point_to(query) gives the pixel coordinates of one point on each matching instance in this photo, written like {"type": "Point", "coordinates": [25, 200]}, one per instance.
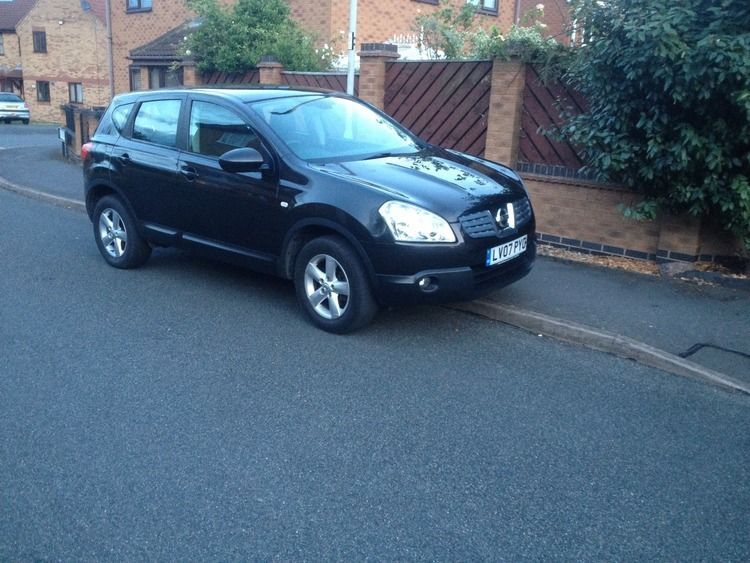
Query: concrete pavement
{"type": "Point", "coordinates": [701, 331]}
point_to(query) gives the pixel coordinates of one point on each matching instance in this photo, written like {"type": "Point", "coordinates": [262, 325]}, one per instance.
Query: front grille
{"type": "Point", "coordinates": [482, 224]}
{"type": "Point", "coordinates": [478, 225]}
{"type": "Point", "coordinates": [522, 207]}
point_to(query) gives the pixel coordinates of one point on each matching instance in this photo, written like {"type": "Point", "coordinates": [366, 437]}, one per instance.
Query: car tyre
{"type": "Point", "coordinates": [25, 121]}
{"type": "Point", "coordinates": [116, 235]}
{"type": "Point", "coordinates": [332, 285]}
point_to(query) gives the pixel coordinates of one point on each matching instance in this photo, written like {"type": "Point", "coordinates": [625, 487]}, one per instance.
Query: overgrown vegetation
{"type": "Point", "coordinates": [452, 33]}
{"type": "Point", "coordinates": [668, 89]}
{"type": "Point", "coordinates": [234, 38]}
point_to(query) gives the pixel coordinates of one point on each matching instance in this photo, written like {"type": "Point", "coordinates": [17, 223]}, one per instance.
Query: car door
{"type": "Point", "coordinates": [145, 161]}
{"type": "Point", "coordinates": [237, 210]}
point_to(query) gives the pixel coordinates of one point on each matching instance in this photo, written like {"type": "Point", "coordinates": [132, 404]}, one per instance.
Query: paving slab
{"type": "Point", "coordinates": [668, 314]}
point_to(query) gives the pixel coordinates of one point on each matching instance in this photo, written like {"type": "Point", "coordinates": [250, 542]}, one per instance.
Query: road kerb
{"type": "Point", "coordinates": [43, 196]}
{"type": "Point", "coordinates": [601, 340]}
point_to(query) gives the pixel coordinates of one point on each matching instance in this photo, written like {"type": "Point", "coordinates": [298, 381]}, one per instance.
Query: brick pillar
{"type": "Point", "coordinates": [679, 238]}
{"type": "Point", "coordinates": [270, 70]}
{"type": "Point", "coordinates": [372, 59]}
{"type": "Point", "coordinates": [190, 75]}
{"type": "Point", "coordinates": [506, 107]}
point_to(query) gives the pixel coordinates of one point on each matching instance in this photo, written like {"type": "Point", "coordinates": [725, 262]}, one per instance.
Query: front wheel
{"type": "Point", "coordinates": [332, 286]}
{"type": "Point", "coordinates": [116, 235]}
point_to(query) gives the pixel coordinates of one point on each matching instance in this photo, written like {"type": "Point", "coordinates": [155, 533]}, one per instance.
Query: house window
{"type": "Point", "coordinates": [2, 47]}
{"type": "Point", "coordinates": [485, 6]}
{"type": "Point", "coordinates": [137, 5]}
{"type": "Point", "coordinates": [135, 80]}
{"type": "Point", "coordinates": [164, 77]}
{"type": "Point", "coordinates": [75, 92]}
{"type": "Point", "coordinates": [42, 91]}
{"type": "Point", "coordinates": [40, 41]}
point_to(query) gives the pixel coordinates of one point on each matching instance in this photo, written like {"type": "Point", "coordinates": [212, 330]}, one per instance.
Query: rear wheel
{"type": "Point", "coordinates": [332, 286]}
{"type": "Point", "coordinates": [116, 235]}
{"type": "Point", "coordinates": [25, 121]}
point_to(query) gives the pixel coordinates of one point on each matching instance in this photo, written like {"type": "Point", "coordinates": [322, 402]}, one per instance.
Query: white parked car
{"type": "Point", "coordinates": [12, 108]}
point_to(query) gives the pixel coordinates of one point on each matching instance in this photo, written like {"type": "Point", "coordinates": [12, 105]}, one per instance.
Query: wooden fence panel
{"type": "Point", "coordinates": [328, 80]}
{"type": "Point", "coordinates": [444, 102]}
{"type": "Point", "coordinates": [539, 153]}
{"type": "Point", "coordinates": [237, 78]}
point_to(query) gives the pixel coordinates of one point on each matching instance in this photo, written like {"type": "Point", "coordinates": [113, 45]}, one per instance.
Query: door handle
{"type": "Point", "coordinates": [189, 173]}
{"type": "Point", "coordinates": [124, 158]}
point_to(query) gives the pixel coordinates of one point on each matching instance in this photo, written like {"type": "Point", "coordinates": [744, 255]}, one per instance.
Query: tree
{"type": "Point", "coordinates": [234, 38]}
{"type": "Point", "coordinates": [668, 88]}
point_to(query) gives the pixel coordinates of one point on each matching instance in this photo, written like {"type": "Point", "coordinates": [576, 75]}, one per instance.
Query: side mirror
{"type": "Point", "coordinates": [241, 160]}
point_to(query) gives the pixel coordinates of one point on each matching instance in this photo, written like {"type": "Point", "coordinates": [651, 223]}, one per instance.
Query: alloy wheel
{"type": "Point", "coordinates": [112, 231]}
{"type": "Point", "coordinates": [327, 286]}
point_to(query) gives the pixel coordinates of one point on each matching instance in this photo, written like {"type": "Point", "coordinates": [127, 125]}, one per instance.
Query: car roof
{"type": "Point", "coordinates": [242, 93]}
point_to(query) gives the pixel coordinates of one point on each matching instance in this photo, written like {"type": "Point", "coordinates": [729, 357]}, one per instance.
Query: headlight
{"type": "Point", "coordinates": [409, 223]}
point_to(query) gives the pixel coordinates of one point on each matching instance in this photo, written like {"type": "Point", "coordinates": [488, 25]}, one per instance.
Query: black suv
{"type": "Point", "coordinates": [310, 185]}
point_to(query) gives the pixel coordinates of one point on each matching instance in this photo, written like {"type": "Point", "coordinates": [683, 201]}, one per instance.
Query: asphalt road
{"type": "Point", "coordinates": [30, 156]}
{"type": "Point", "coordinates": [186, 411]}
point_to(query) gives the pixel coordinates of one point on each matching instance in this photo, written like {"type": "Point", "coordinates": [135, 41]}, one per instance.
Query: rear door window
{"type": "Point", "coordinates": [156, 122]}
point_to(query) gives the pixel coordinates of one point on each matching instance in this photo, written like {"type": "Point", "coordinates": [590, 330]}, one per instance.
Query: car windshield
{"type": "Point", "coordinates": [325, 127]}
{"type": "Point", "coordinates": [9, 98]}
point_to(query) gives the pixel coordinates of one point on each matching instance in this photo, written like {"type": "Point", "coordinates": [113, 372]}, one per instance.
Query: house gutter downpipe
{"type": "Point", "coordinates": [352, 41]}
{"type": "Point", "coordinates": [108, 17]}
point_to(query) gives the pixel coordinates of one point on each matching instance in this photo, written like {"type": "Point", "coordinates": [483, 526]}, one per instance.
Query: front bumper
{"type": "Point", "coordinates": [454, 283]}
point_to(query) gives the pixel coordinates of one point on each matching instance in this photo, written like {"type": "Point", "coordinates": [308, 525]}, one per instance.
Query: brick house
{"type": "Point", "coordinates": [146, 33]}
{"type": "Point", "coordinates": [63, 51]}
{"type": "Point", "coordinates": [11, 74]}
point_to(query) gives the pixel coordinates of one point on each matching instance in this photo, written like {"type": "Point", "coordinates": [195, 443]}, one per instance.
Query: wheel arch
{"type": "Point", "coordinates": [98, 190]}
{"type": "Point", "coordinates": [308, 229]}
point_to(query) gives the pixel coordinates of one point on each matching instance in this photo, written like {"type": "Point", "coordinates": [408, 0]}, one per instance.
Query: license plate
{"type": "Point", "coordinates": [505, 252]}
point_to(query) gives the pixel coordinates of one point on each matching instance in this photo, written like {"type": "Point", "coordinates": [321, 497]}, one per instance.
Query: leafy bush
{"type": "Point", "coordinates": [445, 34]}
{"type": "Point", "coordinates": [234, 38]}
{"type": "Point", "coordinates": [525, 43]}
{"type": "Point", "coordinates": [452, 33]}
{"type": "Point", "coordinates": [668, 87]}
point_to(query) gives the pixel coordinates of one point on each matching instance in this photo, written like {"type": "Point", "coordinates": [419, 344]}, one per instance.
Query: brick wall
{"type": "Point", "coordinates": [377, 21]}
{"type": "Point", "coordinates": [11, 57]}
{"type": "Point", "coordinates": [76, 52]}
{"type": "Point", "coordinates": [131, 30]}
{"type": "Point", "coordinates": [556, 16]}
{"type": "Point", "coordinates": [586, 216]}
{"type": "Point", "coordinates": [314, 16]}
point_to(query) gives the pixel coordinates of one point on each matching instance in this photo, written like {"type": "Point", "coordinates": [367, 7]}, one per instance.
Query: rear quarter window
{"type": "Point", "coordinates": [114, 121]}
{"type": "Point", "coordinates": [120, 116]}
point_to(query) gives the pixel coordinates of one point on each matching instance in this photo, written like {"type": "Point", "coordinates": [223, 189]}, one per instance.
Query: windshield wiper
{"type": "Point", "coordinates": [293, 108]}
{"type": "Point", "coordinates": [387, 154]}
